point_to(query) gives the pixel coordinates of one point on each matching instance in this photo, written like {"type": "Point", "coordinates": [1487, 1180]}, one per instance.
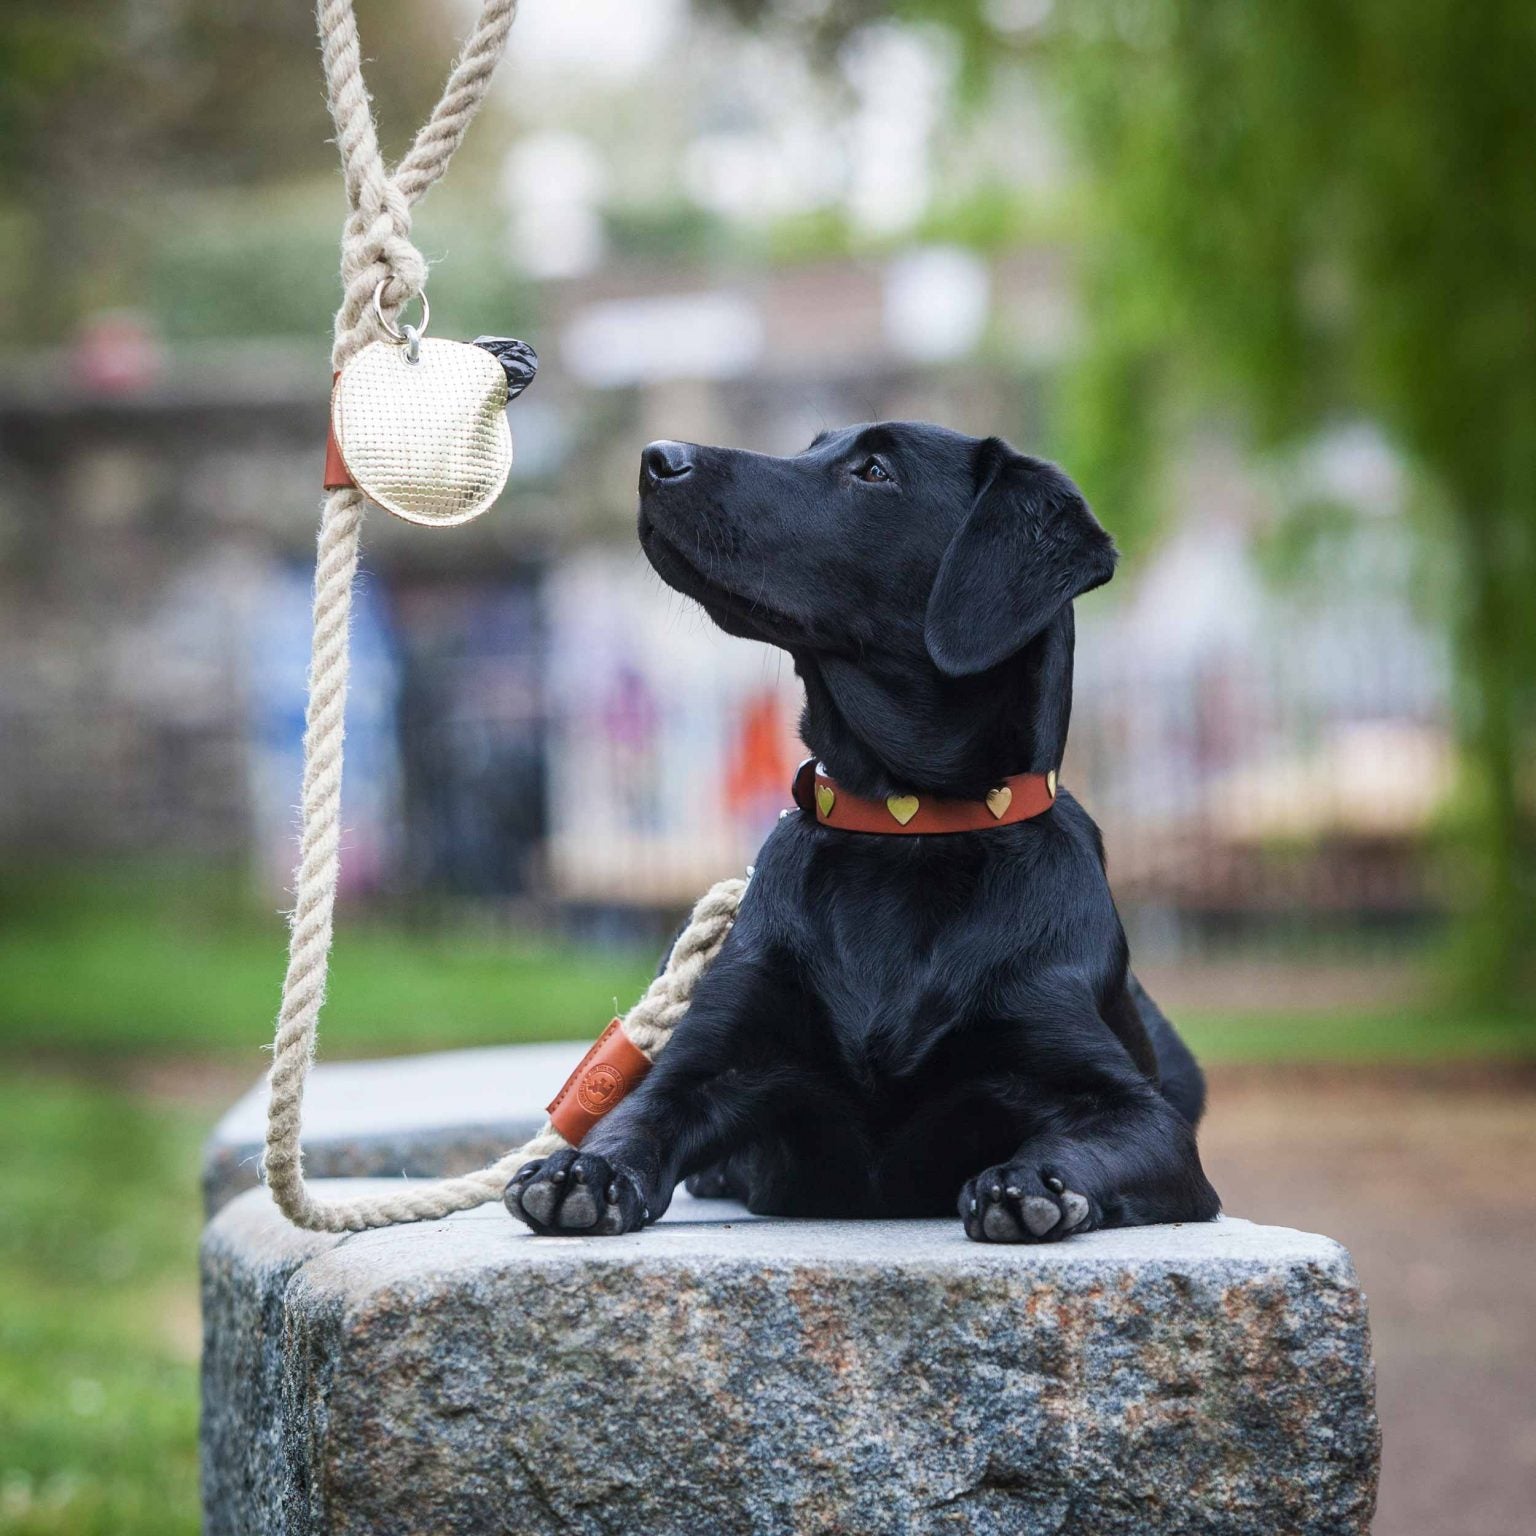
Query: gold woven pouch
{"type": "Point", "coordinates": [427, 440]}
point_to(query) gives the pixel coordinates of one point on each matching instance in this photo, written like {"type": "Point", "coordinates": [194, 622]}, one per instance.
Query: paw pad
{"type": "Point", "coordinates": [1017, 1205]}
{"type": "Point", "coordinates": [579, 1194]}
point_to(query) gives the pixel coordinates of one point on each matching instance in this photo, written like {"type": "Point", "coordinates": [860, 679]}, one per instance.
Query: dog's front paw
{"type": "Point", "coordinates": [1024, 1203]}
{"type": "Point", "coordinates": [577, 1193]}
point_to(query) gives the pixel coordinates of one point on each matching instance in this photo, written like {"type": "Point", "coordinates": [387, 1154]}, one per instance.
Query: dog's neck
{"type": "Point", "coordinates": [882, 728]}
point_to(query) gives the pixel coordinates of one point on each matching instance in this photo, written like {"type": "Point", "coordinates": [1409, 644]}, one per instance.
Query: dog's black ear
{"type": "Point", "coordinates": [1028, 546]}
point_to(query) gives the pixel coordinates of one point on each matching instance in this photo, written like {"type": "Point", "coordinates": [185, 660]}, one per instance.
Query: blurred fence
{"type": "Point", "coordinates": [1284, 796]}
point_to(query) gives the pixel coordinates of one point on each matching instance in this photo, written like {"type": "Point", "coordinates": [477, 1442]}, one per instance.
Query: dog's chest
{"type": "Point", "coordinates": [899, 970]}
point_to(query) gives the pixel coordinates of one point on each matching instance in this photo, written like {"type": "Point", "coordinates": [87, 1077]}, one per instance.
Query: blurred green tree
{"type": "Point", "coordinates": [1324, 209]}
{"type": "Point", "coordinates": [111, 108]}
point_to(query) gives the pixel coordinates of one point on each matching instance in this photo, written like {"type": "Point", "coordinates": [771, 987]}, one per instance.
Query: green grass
{"type": "Point", "coordinates": [1406, 1036]}
{"type": "Point", "coordinates": [157, 966]}
{"type": "Point", "coordinates": [98, 1376]}
{"type": "Point", "coordinates": [132, 986]}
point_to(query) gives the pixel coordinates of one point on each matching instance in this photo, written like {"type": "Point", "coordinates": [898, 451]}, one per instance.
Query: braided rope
{"type": "Point", "coordinates": [376, 248]}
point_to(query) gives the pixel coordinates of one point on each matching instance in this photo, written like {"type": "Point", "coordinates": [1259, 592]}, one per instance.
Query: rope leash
{"type": "Point", "coordinates": [376, 249]}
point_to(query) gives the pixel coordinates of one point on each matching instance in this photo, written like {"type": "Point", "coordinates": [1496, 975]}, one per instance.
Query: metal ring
{"type": "Point", "coordinates": [394, 333]}
{"type": "Point", "coordinates": [412, 343]}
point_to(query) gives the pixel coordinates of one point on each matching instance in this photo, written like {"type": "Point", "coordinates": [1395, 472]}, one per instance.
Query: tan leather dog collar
{"type": "Point", "coordinates": [1017, 798]}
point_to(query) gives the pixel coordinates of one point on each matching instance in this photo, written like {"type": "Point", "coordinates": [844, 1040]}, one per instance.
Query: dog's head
{"type": "Point", "coordinates": [899, 541]}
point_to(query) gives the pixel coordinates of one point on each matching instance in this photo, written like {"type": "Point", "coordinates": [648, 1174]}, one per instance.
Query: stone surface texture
{"type": "Point", "coordinates": [447, 1112]}
{"type": "Point", "coordinates": [720, 1373]}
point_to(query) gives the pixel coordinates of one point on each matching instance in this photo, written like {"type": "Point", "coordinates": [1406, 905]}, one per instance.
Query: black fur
{"type": "Point", "coordinates": [899, 1022]}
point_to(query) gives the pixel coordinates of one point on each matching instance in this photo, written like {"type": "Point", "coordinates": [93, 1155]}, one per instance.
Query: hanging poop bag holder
{"type": "Point", "coordinates": [418, 426]}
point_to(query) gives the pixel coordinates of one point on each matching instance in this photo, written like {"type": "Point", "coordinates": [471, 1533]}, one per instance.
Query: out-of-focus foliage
{"type": "Point", "coordinates": [821, 24]}
{"type": "Point", "coordinates": [987, 32]}
{"type": "Point", "coordinates": [109, 107]}
{"type": "Point", "coordinates": [263, 262]}
{"type": "Point", "coordinates": [1323, 209]}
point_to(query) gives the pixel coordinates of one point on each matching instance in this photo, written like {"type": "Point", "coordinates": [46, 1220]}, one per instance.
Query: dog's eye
{"type": "Point", "coordinates": [872, 472]}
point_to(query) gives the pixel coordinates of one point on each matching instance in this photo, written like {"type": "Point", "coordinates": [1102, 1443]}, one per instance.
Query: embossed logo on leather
{"type": "Point", "coordinates": [601, 1088]}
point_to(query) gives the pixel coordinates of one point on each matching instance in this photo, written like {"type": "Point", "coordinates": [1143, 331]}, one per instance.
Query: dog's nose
{"type": "Point", "coordinates": [666, 460]}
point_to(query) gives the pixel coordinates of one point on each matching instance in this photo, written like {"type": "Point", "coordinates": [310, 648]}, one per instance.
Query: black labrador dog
{"type": "Point", "coordinates": [896, 1023]}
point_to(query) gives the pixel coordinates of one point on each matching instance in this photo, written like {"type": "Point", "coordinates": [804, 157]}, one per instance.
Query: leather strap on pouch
{"type": "Point", "coordinates": [337, 476]}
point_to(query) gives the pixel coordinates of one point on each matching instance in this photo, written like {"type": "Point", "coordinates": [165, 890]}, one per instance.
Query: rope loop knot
{"type": "Point", "coordinates": [376, 245]}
